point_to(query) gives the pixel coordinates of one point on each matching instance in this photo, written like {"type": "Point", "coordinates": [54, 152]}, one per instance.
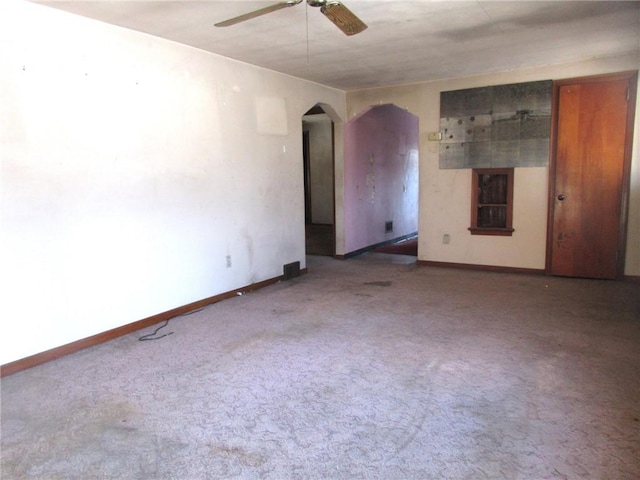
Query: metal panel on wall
{"type": "Point", "coordinates": [496, 127]}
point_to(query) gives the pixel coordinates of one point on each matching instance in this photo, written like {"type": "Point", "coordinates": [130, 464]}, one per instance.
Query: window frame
{"type": "Point", "coordinates": [475, 205]}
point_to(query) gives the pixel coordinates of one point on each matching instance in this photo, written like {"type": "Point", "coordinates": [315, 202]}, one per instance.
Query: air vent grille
{"type": "Point", "coordinates": [291, 270]}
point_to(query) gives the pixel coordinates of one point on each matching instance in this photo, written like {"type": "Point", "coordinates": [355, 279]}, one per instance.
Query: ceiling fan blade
{"type": "Point", "coordinates": [258, 13]}
{"type": "Point", "coordinates": [343, 18]}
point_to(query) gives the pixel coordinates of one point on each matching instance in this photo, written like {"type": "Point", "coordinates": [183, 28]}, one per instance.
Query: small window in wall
{"type": "Point", "coordinates": [492, 201]}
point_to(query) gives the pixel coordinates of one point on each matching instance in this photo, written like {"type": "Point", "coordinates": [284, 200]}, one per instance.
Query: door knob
{"type": "Point", "coordinates": [561, 197]}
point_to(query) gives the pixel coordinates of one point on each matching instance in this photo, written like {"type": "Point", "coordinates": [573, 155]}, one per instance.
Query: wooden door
{"type": "Point", "coordinates": [590, 175]}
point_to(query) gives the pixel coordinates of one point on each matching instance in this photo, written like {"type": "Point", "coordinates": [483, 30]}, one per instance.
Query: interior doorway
{"type": "Point", "coordinates": [319, 182]}
{"type": "Point", "coordinates": [589, 175]}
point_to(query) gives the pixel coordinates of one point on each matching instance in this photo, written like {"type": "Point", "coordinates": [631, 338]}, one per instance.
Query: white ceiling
{"type": "Point", "coordinates": [406, 42]}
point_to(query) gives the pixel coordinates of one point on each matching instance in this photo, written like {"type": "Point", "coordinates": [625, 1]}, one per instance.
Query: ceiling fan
{"type": "Point", "coordinates": [335, 11]}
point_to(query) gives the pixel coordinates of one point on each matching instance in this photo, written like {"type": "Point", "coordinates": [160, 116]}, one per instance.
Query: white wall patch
{"type": "Point", "coordinates": [271, 116]}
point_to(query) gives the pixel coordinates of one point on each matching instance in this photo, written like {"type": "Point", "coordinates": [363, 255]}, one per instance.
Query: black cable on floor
{"type": "Point", "coordinates": [150, 336]}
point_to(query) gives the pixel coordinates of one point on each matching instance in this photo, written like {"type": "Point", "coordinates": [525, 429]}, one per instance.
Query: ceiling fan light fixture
{"type": "Point", "coordinates": [335, 11]}
{"type": "Point", "coordinates": [343, 18]}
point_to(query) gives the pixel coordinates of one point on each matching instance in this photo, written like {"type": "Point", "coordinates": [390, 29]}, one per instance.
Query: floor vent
{"type": "Point", "coordinates": [291, 270]}
{"type": "Point", "coordinates": [388, 226]}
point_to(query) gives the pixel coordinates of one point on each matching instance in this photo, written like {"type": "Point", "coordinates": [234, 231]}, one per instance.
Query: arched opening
{"type": "Point", "coordinates": [380, 179]}
{"type": "Point", "coordinates": [319, 181]}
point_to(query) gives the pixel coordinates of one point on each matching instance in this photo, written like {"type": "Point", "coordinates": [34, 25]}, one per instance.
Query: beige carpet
{"type": "Point", "coordinates": [371, 368]}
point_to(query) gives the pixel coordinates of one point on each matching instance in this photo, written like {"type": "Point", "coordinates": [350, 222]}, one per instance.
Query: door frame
{"type": "Point", "coordinates": [320, 108]}
{"type": "Point", "coordinates": [306, 158]}
{"type": "Point", "coordinates": [632, 79]}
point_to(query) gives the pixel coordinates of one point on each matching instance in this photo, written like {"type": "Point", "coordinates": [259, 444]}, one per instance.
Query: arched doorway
{"type": "Point", "coordinates": [319, 181]}
{"type": "Point", "coordinates": [380, 178]}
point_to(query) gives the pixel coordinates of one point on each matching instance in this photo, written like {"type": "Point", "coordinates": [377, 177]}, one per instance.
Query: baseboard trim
{"type": "Point", "coordinates": [57, 352]}
{"type": "Point", "coordinates": [360, 251]}
{"type": "Point", "coordinates": [493, 268]}
{"type": "Point", "coordinates": [486, 268]}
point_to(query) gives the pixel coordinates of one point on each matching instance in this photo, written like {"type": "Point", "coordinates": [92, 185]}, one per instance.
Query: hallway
{"type": "Point", "coordinates": [319, 239]}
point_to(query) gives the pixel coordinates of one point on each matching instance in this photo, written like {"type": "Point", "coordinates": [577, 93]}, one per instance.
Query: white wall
{"type": "Point", "coordinates": [131, 167]}
{"type": "Point", "coordinates": [445, 194]}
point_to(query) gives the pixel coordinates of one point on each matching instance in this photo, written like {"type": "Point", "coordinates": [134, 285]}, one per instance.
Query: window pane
{"type": "Point", "coordinates": [493, 188]}
{"type": "Point", "coordinates": [492, 201]}
{"type": "Point", "coordinates": [492, 217]}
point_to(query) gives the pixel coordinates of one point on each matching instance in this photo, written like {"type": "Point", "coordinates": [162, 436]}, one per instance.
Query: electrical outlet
{"type": "Point", "coordinates": [228, 260]}
{"type": "Point", "coordinates": [446, 238]}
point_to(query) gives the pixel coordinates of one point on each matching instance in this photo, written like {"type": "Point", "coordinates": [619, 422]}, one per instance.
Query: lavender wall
{"type": "Point", "coordinates": [380, 176]}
